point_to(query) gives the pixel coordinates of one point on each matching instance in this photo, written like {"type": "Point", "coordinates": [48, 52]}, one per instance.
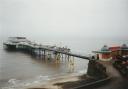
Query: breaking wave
{"type": "Point", "coordinates": [20, 84]}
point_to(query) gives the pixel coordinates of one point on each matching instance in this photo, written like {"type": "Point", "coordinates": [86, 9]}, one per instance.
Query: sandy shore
{"type": "Point", "coordinates": [68, 82]}
{"type": "Point", "coordinates": [64, 82]}
{"type": "Point", "coordinates": [53, 84]}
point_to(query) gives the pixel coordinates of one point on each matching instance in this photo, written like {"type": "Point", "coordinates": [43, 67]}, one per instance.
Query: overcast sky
{"type": "Point", "coordinates": [64, 18]}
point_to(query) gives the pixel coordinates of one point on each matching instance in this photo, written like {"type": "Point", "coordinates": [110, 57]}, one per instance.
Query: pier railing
{"type": "Point", "coordinates": [35, 48]}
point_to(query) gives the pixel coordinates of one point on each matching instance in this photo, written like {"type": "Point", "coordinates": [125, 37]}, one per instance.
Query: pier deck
{"type": "Point", "coordinates": [32, 47]}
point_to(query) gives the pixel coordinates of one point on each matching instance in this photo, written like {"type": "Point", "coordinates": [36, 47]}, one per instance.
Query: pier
{"type": "Point", "coordinates": [102, 72]}
{"type": "Point", "coordinates": [23, 44]}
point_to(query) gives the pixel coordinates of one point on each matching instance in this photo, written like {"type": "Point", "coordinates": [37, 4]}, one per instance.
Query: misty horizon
{"type": "Point", "coordinates": [64, 19]}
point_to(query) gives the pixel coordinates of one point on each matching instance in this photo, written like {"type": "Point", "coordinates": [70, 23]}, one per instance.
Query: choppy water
{"type": "Point", "coordinates": [20, 69]}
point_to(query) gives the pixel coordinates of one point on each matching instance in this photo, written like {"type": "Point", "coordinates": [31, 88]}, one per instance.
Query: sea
{"type": "Point", "coordinates": [18, 69]}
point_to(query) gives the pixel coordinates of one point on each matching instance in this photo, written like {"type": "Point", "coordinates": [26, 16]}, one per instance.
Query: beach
{"type": "Point", "coordinates": [114, 81]}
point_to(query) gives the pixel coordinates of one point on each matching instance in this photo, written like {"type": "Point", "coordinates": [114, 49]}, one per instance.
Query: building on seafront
{"type": "Point", "coordinates": [107, 53]}
{"type": "Point", "coordinates": [103, 54]}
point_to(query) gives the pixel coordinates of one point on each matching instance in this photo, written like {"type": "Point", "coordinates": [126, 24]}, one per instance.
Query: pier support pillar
{"type": "Point", "coordinates": [71, 64]}
{"type": "Point", "coordinates": [44, 54]}
{"type": "Point", "coordinates": [57, 57]}
{"type": "Point", "coordinates": [68, 58]}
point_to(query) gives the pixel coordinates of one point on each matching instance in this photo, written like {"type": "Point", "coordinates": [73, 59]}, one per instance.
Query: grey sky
{"type": "Point", "coordinates": [64, 18]}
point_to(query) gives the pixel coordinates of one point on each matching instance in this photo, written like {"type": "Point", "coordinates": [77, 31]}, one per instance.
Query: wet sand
{"type": "Point", "coordinates": [54, 84]}
{"type": "Point", "coordinates": [65, 82]}
{"type": "Point", "coordinates": [68, 82]}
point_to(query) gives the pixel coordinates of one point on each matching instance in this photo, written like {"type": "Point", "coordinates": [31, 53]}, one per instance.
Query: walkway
{"type": "Point", "coordinates": [117, 82]}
